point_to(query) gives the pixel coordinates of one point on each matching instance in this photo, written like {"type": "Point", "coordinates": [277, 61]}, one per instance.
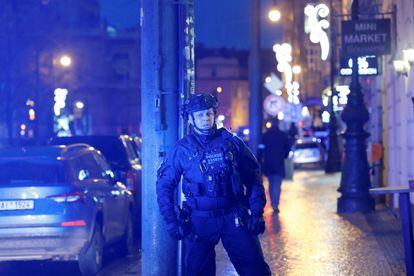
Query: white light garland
{"type": "Point", "coordinates": [283, 53]}
{"type": "Point", "coordinates": [315, 26]}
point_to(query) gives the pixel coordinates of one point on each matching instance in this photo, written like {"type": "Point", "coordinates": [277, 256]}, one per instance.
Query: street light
{"type": "Point", "coordinates": [401, 67]}
{"type": "Point", "coordinates": [65, 61]}
{"type": "Point", "coordinates": [79, 105]}
{"type": "Point", "coordinates": [409, 55]}
{"type": "Point", "coordinates": [296, 69]}
{"type": "Point", "coordinates": [274, 15]}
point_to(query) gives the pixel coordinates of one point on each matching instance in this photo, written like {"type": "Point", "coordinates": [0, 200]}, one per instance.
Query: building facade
{"type": "Point", "coordinates": [100, 83]}
{"type": "Point", "coordinates": [227, 79]}
{"type": "Point", "coordinates": [397, 91]}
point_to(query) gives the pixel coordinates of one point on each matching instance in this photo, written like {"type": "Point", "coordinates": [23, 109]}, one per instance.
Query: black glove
{"type": "Point", "coordinates": [256, 225]}
{"type": "Point", "coordinates": [176, 230]}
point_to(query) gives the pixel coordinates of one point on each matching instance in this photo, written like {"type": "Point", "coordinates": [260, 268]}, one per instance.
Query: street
{"type": "Point", "coordinates": [308, 237]}
{"type": "Point", "coordinates": [113, 265]}
{"type": "Point", "coordinates": [106, 105]}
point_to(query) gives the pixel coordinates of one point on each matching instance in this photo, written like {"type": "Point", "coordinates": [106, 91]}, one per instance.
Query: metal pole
{"type": "Point", "coordinates": [36, 96]}
{"type": "Point", "coordinates": [355, 180]}
{"type": "Point", "coordinates": [407, 229]}
{"type": "Point", "coordinates": [159, 98]}
{"type": "Point", "coordinates": [333, 163]}
{"type": "Point", "coordinates": [186, 78]}
{"type": "Point", "coordinates": [8, 74]}
{"type": "Point", "coordinates": [255, 98]}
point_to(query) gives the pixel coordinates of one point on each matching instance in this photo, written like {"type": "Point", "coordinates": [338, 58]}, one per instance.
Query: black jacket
{"type": "Point", "coordinates": [277, 147]}
{"type": "Point", "coordinates": [184, 161]}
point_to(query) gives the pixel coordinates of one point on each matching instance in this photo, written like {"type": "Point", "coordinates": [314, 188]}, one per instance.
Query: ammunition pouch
{"type": "Point", "coordinates": [236, 183]}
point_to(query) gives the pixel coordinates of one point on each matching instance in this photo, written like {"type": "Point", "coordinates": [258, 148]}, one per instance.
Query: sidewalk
{"type": "Point", "coordinates": [308, 237]}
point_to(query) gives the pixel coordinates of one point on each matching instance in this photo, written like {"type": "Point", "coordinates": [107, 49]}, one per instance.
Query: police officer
{"type": "Point", "coordinates": [223, 190]}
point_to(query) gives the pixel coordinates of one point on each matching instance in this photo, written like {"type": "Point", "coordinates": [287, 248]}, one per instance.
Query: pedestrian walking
{"type": "Point", "coordinates": [292, 134]}
{"type": "Point", "coordinates": [276, 149]}
{"type": "Point", "coordinates": [223, 191]}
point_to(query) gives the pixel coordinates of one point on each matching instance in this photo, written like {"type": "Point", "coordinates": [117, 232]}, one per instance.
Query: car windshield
{"type": "Point", "coordinates": [110, 147]}
{"type": "Point", "coordinates": [113, 151]}
{"type": "Point", "coordinates": [22, 171]}
{"type": "Point", "coordinates": [306, 146]}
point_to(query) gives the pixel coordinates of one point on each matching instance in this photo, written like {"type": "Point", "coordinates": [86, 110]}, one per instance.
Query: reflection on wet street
{"type": "Point", "coordinates": [114, 265]}
{"type": "Point", "coordinates": [308, 237]}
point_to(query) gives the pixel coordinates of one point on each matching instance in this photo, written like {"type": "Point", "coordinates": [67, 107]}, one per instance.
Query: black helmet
{"type": "Point", "coordinates": [200, 102]}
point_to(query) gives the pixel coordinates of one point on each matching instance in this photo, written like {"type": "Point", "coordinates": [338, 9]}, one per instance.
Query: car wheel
{"type": "Point", "coordinates": [90, 258]}
{"type": "Point", "coordinates": [127, 242]}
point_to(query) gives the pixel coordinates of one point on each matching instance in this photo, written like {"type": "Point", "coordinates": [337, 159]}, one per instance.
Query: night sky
{"type": "Point", "coordinates": [219, 23]}
{"type": "Point", "coordinates": [225, 23]}
{"type": "Point", "coordinates": [122, 14]}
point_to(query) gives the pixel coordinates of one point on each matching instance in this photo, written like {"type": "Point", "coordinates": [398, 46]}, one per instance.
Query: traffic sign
{"type": "Point", "coordinates": [274, 104]}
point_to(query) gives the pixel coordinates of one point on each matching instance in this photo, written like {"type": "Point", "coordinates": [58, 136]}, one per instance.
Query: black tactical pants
{"type": "Point", "coordinates": [242, 247]}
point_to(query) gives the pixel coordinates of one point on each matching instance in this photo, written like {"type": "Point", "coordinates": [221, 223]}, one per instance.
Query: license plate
{"type": "Point", "coordinates": [16, 205]}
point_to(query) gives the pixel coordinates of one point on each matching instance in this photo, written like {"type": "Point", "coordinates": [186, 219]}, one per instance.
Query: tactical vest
{"type": "Point", "coordinates": [216, 163]}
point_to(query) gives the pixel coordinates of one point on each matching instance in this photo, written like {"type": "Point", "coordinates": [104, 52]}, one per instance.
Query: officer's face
{"type": "Point", "coordinates": [203, 119]}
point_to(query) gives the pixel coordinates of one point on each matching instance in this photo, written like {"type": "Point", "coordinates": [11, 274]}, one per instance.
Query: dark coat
{"type": "Point", "coordinates": [184, 162]}
{"type": "Point", "coordinates": [277, 147]}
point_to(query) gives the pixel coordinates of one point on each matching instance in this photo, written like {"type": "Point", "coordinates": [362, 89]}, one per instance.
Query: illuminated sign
{"type": "Point", "coordinates": [367, 66]}
{"type": "Point", "coordinates": [366, 37]}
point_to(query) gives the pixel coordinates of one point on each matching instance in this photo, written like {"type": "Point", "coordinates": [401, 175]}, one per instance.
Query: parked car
{"type": "Point", "coordinates": [122, 154]}
{"type": "Point", "coordinates": [61, 203]}
{"type": "Point", "coordinates": [309, 151]}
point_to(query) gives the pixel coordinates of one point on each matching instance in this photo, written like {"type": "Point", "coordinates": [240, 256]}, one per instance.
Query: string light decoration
{"type": "Point", "coordinates": [283, 54]}
{"type": "Point", "coordinates": [316, 26]}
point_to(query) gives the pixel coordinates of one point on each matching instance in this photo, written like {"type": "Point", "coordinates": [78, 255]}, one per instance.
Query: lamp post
{"type": "Point", "coordinates": [255, 79]}
{"type": "Point", "coordinates": [333, 162]}
{"type": "Point", "coordinates": [255, 98]}
{"type": "Point", "coordinates": [355, 180]}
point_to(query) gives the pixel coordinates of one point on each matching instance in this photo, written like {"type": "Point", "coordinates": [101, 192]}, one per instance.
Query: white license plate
{"type": "Point", "coordinates": [16, 205]}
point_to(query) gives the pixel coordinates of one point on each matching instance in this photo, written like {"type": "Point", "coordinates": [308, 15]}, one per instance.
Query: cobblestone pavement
{"type": "Point", "coordinates": [308, 237]}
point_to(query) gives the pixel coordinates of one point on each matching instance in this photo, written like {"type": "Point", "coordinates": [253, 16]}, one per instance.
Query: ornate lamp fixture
{"type": "Point", "coordinates": [409, 55]}
{"type": "Point", "coordinates": [401, 67]}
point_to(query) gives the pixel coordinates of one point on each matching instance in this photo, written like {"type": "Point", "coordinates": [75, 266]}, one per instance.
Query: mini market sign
{"type": "Point", "coordinates": [366, 37]}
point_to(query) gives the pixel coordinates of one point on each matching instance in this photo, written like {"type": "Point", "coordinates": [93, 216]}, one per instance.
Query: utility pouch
{"type": "Point", "coordinates": [236, 183]}
{"type": "Point", "coordinates": [195, 189]}
{"type": "Point", "coordinates": [225, 188]}
{"type": "Point", "coordinates": [184, 218]}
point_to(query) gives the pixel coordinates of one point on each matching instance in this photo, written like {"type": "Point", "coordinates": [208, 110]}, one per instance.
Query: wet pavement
{"type": "Point", "coordinates": [114, 265]}
{"type": "Point", "coordinates": [307, 237]}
